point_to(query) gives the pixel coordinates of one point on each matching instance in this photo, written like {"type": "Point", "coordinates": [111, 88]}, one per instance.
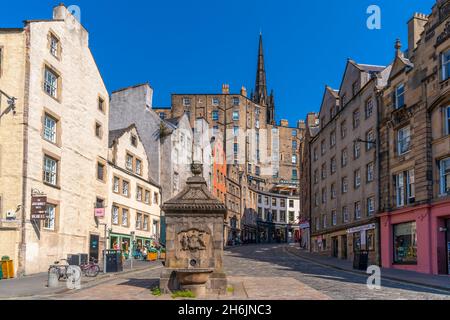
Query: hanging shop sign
{"type": "Point", "coordinates": [38, 206]}
{"type": "Point", "coordinates": [99, 212]}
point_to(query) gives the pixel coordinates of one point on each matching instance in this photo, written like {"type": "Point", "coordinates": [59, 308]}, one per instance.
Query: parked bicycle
{"type": "Point", "coordinates": [91, 269]}
{"type": "Point", "coordinates": [60, 268]}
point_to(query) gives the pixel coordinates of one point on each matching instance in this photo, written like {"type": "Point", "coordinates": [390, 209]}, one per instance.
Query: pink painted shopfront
{"type": "Point", "coordinates": [417, 239]}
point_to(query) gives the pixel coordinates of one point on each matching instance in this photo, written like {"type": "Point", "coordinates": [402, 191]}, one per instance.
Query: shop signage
{"type": "Point", "coordinates": [99, 212]}
{"type": "Point", "coordinates": [304, 225]}
{"type": "Point", "coordinates": [38, 205]}
{"type": "Point", "coordinates": [361, 228]}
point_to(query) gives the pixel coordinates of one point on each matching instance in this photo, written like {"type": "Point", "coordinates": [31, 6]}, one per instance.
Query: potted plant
{"type": "Point", "coordinates": [152, 254]}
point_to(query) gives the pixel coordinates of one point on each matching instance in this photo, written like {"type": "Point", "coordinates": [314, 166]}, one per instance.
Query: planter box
{"type": "Point", "coordinates": [7, 269]}
{"type": "Point", "coordinates": [152, 256]}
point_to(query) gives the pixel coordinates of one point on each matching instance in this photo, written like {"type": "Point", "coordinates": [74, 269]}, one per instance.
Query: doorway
{"type": "Point", "coordinates": [93, 246]}
{"type": "Point", "coordinates": [344, 247]}
{"type": "Point", "coordinates": [335, 247]}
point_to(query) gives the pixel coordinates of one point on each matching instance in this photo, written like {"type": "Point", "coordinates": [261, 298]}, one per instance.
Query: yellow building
{"type": "Point", "coordinates": [133, 210]}
{"type": "Point", "coordinates": [55, 143]}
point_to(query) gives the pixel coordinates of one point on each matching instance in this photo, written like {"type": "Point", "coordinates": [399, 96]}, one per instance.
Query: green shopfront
{"type": "Point", "coordinates": [124, 242]}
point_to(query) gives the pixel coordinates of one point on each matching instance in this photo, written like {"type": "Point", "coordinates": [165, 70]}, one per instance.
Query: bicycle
{"type": "Point", "coordinates": [60, 269]}
{"type": "Point", "coordinates": [90, 269]}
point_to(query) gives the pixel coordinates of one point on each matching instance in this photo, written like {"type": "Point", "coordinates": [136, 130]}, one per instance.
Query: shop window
{"type": "Point", "coordinates": [405, 243]}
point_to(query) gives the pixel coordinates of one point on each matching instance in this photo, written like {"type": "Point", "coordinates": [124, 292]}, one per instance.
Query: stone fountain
{"type": "Point", "coordinates": [194, 240]}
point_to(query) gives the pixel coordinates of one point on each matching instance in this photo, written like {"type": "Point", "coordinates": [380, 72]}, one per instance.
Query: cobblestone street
{"type": "Point", "coordinates": [267, 272]}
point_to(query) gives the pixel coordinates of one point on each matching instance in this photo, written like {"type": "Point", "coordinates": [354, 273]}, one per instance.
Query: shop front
{"type": "Point", "coordinates": [417, 239]}
{"type": "Point", "coordinates": [120, 242]}
{"type": "Point", "coordinates": [363, 238]}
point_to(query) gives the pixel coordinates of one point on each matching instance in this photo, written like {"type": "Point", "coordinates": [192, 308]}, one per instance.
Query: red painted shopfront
{"type": "Point", "coordinates": [417, 238]}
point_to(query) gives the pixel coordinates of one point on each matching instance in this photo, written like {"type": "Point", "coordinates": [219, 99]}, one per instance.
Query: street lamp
{"type": "Point", "coordinates": [11, 104]}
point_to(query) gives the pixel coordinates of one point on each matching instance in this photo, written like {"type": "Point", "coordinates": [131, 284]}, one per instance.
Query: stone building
{"type": "Point", "coordinates": [133, 210]}
{"type": "Point", "coordinates": [233, 203]}
{"type": "Point", "coordinates": [344, 166]}
{"type": "Point", "coordinates": [54, 144]}
{"type": "Point", "coordinates": [414, 134]}
{"type": "Point", "coordinates": [272, 219]}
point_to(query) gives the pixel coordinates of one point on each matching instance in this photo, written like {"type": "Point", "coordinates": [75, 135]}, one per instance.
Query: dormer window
{"type": "Point", "coordinates": [399, 96]}
{"type": "Point", "coordinates": [54, 46]}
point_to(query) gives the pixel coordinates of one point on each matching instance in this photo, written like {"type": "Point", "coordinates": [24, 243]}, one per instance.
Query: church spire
{"type": "Point", "coordinates": [261, 85]}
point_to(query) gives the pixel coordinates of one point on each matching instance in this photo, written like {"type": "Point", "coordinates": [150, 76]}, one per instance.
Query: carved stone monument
{"type": "Point", "coordinates": [194, 240]}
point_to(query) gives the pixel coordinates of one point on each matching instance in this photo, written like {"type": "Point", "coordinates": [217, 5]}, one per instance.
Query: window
{"type": "Point", "coordinates": [356, 150]}
{"type": "Point", "coordinates": [125, 188]}
{"type": "Point", "coordinates": [186, 102]}
{"type": "Point", "coordinates": [236, 149]}
{"type": "Point", "coordinates": [344, 185]}
{"type": "Point", "coordinates": [370, 206]}
{"type": "Point", "coordinates": [98, 130]}
{"type": "Point", "coordinates": [274, 202]}
{"type": "Point", "coordinates": [370, 172]}
{"type": "Point", "coordinates": [291, 216]}
{"type": "Point", "coordinates": [343, 100]}
{"type": "Point", "coordinates": [266, 201]}
{"type": "Point", "coordinates": [235, 101]}
{"type": "Point", "coordinates": [156, 198]}
{"type": "Point", "coordinates": [294, 145]}
{"type": "Point", "coordinates": [405, 188]}
{"type": "Point", "coordinates": [447, 119]}
{"type": "Point", "coordinates": [125, 217]}
{"type": "Point", "coordinates": [445, 65]}
{"type": "Point", "coordinates": [333, 165]}
{"type": "Point", "coordinates": [133, 140]}
{"type": "Point", "coordinates": [357, 178]}
{"type": "Point", "coordinates": [138, 167]}
{"type": "Point", "coordinates": [235, 131]}
{"type": "Point", "coordinates": [333, 191]}
{"type": "Point", "coordinates": [315, 154]}
{"type": "Point", "coordinates": [100, 171]}
{"type": "Point", "coordinates": [399, 96]}
{"type": "Point", "coordinates": [334, 217]}
{"type": "Point", "coordinates": [50, 221]}
{"type": "Point", "coordinates": [138, 221]}
{"type": "Point", "coordinates": [145, 226]}
{"type": "Point", "coordinates": [370, 138]}
{"type": "Point", "coordinates": [444, 176]}
{"type": "Point", "coordinates": [101, 104]}
{"type": "Point", "coordinates": [325, 222]}
{"type": "Point", "coordinates": [405, 243]}
{"type": "Point", "coordinates": [332, 139]}
{"type": "Point", "coordinates": [316, 200]}
{"type": "Point", "coordinates": [355, 88]}
{"type": "Point", "coordinates": [215, 115]}
{"type": "Point", "coordinates": [316, 176]}
{"type": "Point", "coordinates": [356, 119]}
{"type": "Point", "coordinates": [344, 158]}
{"type": "Point", "coordinates": [259, 198]}
{"type": "Point", "coordinates": [294, 159]}
{"type": "Point", "coordinates": [294, 174]}
{"type": "Point", "coordinates": [129, 162]}
{"type": "Point", "coordinates": [324, 196]}
{"type": "Point", "coordinates": [357, 210]}
{"type": "Point", "coordinates": [215, 102]}
{"type": "Point", "coordinates": [50, 128]}
{"type": "Point", "coordinates": [324, 171]}
{"type": "Point", "coordinates": [291, 203]}
{"type": "Point", "coordinates": [369, 108]}
{"type": "Point", "coordinates": [51, 83]}
{"type": "Point", "coordinates": [343, 129]}
{"type": "Point", "coordinates": [322, 147]}
{"type": "Point", "coordinates": [50, 170]}
{"type": "Point", "coordinates": [235, 115]}
{"type": "Point", "coordinates": [294, 133]}
{"type": "Point", "coordinates": [317, 223]}
{"type": "Point", "coordinates": [345, 215]}
{"type": "Point", "coordinates": [54, 46]}
{"type": "Point", "coordinates": [115, 215]}
{"type": "Point", "coordinates": [403, 140]}
{"type": "Point", "coordinates": [147, 197]}
{"type": "Point", "coordinates": [116, 184]}
{"type": "Point", "coordinates": [162, 115]}
{"type": "Point", "coordinates": [139, 192]}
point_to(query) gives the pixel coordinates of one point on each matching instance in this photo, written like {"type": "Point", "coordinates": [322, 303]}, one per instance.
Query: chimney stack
{"type": "Point", "coordinates": [312, 119]}
{"type": "Point", "coordinates": [244, 91]}
{"type": "Point", "coordinates": [416, 26]}
{"type": "Point", "coordinates": [226, 89]}
{"type": "Point", "coordinates": [284, 123]}
{"type": "Point", "coordinates": [301, 124]}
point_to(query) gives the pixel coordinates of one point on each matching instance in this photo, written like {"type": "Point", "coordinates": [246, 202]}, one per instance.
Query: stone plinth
{"type": "Point", "coordinates": [194, 239]}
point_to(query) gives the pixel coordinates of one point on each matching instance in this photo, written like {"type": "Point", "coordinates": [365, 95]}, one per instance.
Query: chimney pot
{"type": "Point", "coordinates": [226, 89]}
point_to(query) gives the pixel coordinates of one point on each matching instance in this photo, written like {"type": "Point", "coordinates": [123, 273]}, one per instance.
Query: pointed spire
{"type": "Point", "coordinates": [261, 85]}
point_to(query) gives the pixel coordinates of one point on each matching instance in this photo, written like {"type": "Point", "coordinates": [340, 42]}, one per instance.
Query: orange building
{"type": "Point", "coordinates": [219, 173]}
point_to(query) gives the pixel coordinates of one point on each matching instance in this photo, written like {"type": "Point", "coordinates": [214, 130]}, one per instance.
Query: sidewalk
{"type": "Point", "coordinates": [441, 282]}
{"type": "Point", "coordinates": [36, 285]}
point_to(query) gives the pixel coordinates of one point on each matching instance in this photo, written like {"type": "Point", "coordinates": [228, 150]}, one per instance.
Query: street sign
{"type": "Point", "coordinates": [38, 206]}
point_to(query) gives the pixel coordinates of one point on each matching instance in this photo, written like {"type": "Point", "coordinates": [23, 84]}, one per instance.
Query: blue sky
{"type": "Point", "coordinates": [195, 46]}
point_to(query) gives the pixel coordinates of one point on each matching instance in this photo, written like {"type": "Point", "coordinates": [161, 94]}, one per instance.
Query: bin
{"type": "Point", "coordinates": [361, 260]}
{"type": "Point", "coordinates": [7, 267]}
{"type": "Point", "coordinates": [152, 256]}
{"type": "Point", "coordinates": [114, 261]}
